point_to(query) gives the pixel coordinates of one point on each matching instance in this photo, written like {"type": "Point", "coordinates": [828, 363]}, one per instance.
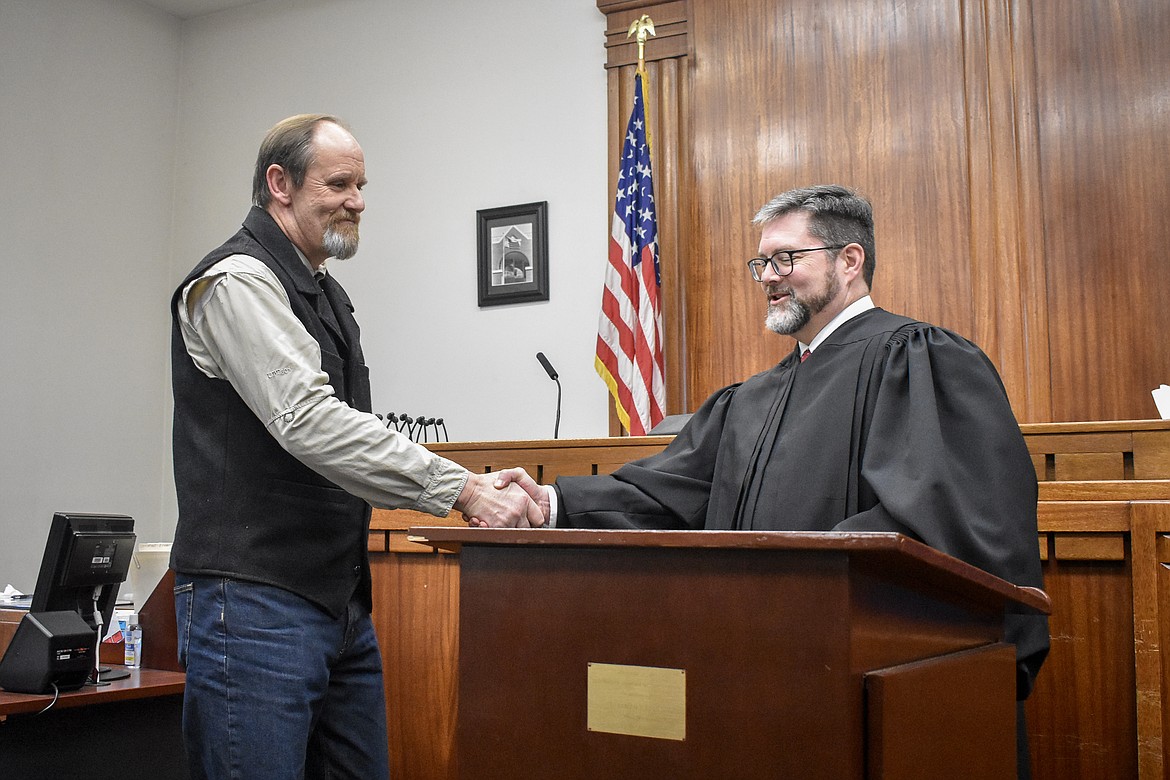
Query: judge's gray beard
{"type": "Point", "coordinates": [340, 244]}
{"type": "Point", "coordinates": [796, 313]}
{"type": "Point", "coordinates": [789, 319]}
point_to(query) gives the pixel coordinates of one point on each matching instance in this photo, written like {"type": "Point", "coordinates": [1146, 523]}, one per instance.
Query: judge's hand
{"type": "Point", "coordinates": [535, 491]}
{"type": "Point", "coordinates": [485, 506]}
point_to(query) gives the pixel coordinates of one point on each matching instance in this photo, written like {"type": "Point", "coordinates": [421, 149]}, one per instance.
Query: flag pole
{"type": "Point", "coordinates": [629, 355]}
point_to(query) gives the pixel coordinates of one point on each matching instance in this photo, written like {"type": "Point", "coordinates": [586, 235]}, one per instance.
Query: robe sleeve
{"type": "Point", "coordinates": [670, 489]}
{"type": "Point", "coordinates": [944, 462]}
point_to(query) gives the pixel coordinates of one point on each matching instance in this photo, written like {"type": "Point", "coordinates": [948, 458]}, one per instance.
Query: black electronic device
{"type": "Point", "coordinates": [49, 650]}
{"type": "Point", "coordinates": [87, 556]}
{"type": "Point", "coordinates": [670, 425]}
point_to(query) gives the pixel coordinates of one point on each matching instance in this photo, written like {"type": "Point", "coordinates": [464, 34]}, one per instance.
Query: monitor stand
{"type": "Point", "coordinates": [104, 675]}
{"type": "Point", "coordinates": [101, 675]}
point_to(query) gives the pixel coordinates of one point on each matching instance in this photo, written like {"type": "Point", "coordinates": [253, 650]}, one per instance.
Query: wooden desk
{"type": "Point", "coordinates": [130, 728]}
{"type": "Point", "coordinates": [141, 684]}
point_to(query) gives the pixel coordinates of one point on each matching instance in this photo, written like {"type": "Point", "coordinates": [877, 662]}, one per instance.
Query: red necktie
{"type": "Point", "coordinates": [804, 355]}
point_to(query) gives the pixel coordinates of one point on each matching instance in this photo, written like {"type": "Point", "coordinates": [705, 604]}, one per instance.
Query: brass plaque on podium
{"type": "Point", "coordinates": [641, 701]}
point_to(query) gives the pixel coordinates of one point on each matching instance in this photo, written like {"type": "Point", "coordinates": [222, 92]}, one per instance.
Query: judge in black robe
{"type": "Point", "coordinates": [889, 425]}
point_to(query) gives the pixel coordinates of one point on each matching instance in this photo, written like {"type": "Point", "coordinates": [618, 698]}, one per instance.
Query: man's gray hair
{"type": "Point", "coordinates": [837, 215]}
{"type": "Point", "coordinates": [288, 144]}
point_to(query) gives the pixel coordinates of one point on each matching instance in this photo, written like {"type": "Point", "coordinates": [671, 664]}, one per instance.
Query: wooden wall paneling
{"type": "Point", "coordinates": [1161, 636]}
{"type": "Point", "coordinates": [1044, 469]}
{"type": "Point", "coordinates": [1014, 152]}
{"type": "Point", "coordinates": [1151, 589]}
{"type": "Point", "coordinates": [670, 30]}
{"type": "Point", "coordinates": [730, 120]}
{"type": "Point", "coordinates": [1124, 490]}
{"type": "Point", "coordinates": [1089, 547]}
{"type": "Point", "coordinates": [1089, 465]}
{"type": "Point", "coordinates": [1083, 516]}
{"type": "Point", "coordinates": [416, 616]}
{"type": "Point", "coordinates": [1031, 263]}
{"type": "Point", "coordinates": [1082, 714]}
{"type": "Point", "coordinates": [1100, 450]}
{"type": "Point", "coordinates": [1007, 271]}
{"type": "Point", "coordinates": [800, 92]}
{"type": "Point", "coordinates": [1151, 453]}
{"type": "Point", "coordinates": [1083, 441]}
{"type": "Point", "coordinates": [1102, 119]}
{"type": "Point", "coordinates": [671, 174]}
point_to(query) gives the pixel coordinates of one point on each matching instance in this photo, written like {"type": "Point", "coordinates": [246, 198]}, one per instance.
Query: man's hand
{"type": "Point", "coordinates": [520, 478]}
{"type": "Point", "coordinates": [486, 506]}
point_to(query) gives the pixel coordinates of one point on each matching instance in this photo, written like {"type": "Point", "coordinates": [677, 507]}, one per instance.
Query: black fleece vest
{"type": "Point", "coordinates": [248, 509]}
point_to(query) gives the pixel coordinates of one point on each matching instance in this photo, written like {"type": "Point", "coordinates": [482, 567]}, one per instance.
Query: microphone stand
{"type": "Point", "coordinates": [557, 427]}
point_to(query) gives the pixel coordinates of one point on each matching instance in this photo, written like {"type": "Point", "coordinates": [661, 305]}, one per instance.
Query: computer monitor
{"type": "Point", "coordinates": [86, 558]}
{"type": "Point", "coordinates": [84, 553]}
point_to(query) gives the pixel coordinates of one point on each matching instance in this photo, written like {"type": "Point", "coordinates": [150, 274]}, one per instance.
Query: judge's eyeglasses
{"type": "Point", "coordinates": [782, 261]}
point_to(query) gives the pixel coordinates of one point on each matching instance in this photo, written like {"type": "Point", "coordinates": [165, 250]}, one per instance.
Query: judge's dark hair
{"type": "Point", "coordinates": [837, 215]}
{"type": "Point", "coordinates": [288, 144]}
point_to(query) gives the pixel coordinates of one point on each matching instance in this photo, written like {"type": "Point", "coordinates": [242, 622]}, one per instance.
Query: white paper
{"type": "Point", "coordinates": [1162, 401]}
{"type": "Point", "coordinates": [147, 567]}
{"type": "Point", "coordinates": [12, 598]}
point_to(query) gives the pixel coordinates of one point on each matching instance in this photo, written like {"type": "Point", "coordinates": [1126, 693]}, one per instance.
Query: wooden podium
{"type": "Point", "coordinates": [610, 654]}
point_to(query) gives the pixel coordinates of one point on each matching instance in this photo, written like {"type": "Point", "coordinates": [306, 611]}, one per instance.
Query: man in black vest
{"type": "Point", "coordinates": [277, 460]}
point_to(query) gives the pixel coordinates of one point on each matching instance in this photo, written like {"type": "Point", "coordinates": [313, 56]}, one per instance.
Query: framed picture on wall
{"type": "Point", "coordinates": [513, 253]}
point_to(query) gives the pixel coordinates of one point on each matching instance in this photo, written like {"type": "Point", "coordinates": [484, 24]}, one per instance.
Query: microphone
{"type": "Point", "coordinates": [552, 374]}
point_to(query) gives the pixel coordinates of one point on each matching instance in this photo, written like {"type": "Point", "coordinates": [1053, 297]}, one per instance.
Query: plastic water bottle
{"type": "Point", "coordinates": [133, 642]}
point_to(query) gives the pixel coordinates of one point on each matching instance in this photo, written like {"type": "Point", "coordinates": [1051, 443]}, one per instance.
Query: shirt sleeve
{"type": "Point", "coordinates": [238, 325]}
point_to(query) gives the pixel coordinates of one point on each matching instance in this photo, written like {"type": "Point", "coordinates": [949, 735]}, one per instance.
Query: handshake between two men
{"type": "Point", "coordinates": [506, 499]}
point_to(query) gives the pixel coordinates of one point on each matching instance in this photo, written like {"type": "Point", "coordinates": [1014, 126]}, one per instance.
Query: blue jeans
{"type": "Point", "coordinates": [276, 687]}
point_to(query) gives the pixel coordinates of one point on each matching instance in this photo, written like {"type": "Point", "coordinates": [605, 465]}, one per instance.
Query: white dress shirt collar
{"type": "Point", "coordinates": [865, 303]}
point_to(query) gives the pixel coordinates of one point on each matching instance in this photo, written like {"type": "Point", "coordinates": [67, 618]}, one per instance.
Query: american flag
{"type": "Point", "coordinates": [629, 335]}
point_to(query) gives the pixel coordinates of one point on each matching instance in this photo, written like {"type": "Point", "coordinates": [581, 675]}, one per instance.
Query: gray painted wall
{"type": "Point", "coordinates": [129, 140]}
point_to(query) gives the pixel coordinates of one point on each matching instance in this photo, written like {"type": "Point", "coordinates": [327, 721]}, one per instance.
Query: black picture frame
{"type": "Point", "coordinates": [512, 244]}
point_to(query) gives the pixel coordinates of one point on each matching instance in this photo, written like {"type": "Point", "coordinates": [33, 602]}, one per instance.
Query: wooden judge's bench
{"type": "Point", "coordinates": [1100, 702]}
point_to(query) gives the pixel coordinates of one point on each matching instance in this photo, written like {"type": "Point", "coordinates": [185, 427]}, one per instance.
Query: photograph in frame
{"type": "Point", "coordinates": [513, 254]}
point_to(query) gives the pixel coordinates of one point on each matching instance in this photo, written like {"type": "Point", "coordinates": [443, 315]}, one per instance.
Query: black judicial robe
{"type": "Point", "coordinates": [891, 425]}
